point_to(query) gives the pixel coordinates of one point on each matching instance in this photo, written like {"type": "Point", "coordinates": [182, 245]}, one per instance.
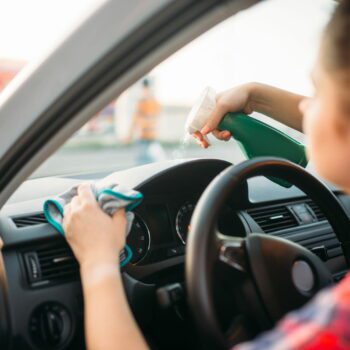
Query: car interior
{"type": "Point", "coordinates": [220, 252]}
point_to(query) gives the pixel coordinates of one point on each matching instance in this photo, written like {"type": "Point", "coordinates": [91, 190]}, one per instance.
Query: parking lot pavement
{"type": "Point", "coordinates": [97, 159]}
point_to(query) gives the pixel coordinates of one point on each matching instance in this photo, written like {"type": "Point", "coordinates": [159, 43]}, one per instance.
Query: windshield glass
{"type": "Point", "coordinates": [274, 42]}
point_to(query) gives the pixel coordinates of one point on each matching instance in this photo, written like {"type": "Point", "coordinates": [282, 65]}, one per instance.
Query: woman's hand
{"type": "Point", "coordinates": [94, 237]}
{"type": "Point", "coordinates": [233, 100]}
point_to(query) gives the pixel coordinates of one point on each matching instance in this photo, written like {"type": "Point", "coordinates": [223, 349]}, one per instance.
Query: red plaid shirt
{"type": "Point", "coordinates": [323, 323]}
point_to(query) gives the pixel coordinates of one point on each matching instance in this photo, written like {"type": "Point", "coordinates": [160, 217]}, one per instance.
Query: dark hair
{"type": "Point", "coordinates": [336, 40]}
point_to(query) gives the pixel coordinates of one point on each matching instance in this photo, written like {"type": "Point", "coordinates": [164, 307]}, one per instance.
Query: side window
{"type": "Point", "coordinates": [274, 42]}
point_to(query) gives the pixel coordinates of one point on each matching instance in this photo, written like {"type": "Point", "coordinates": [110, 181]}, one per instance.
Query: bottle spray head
{"type": "Point", "coordinates": [201, 111]}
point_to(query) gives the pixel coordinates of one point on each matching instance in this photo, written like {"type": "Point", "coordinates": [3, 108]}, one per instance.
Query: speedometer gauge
{"type": "Point", "coordinates": [182, 221]}
{"type": "Point", "coordinates": [138, 240]}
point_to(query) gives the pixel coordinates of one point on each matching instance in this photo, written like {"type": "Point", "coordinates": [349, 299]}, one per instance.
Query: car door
{"type": "Point", "coordinates": [114, 46]}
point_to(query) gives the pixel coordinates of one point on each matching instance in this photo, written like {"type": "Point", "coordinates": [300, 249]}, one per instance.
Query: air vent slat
{"type": "Point", "coordinates": [272, 219]}
{"type": "Point", "coordinates": [279, 217]}
{"type": "Point", "coordinates": [29, 220]}
{"type": "Point", "coordinates": [59, 258]}
{"type": "Point", "coordinates": [57, 273]}
{"type": "Point", "coordinates": [59, 251]}
{"type": "Point", "coordinates": [262, 212]}
{"type": "Point", "coordinates": [274, 228]}
{"type": "Point", "coordinates": [275, 220]}
{"type": "Point", "coordinates": [62, 263]}
{"type": "Point", "coordinates": [275, 217]}
{"type": "Point", "coordinates": [316, 209]}
{"type": "Point", "coordinates": [56, 264]}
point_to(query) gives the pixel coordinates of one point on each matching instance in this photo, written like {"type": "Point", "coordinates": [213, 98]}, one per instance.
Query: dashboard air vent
{"type": "Point", "coordinates": [272, 219]}
{"type": "Point", "coordinates": [317, 210]}
{"type": "Point", "coordinates": [51, 264]}
{"type": "Point", "coordinates": [29, 220]}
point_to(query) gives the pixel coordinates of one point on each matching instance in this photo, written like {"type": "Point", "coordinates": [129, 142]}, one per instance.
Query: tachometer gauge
{"type": "Point", "coordinates": [183, 219]}
{"type": "Point", "coordinates": [138, 240]}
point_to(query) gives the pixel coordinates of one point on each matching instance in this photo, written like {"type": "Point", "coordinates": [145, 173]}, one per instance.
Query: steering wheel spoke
{"type": "Point", "coordinates": [232, 252]}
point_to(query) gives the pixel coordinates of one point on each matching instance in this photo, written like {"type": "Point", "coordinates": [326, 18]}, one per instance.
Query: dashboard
{"type": "Point", "coordinates": [40, 294]}
{"type": "Point", "coordinates": [162, 224]}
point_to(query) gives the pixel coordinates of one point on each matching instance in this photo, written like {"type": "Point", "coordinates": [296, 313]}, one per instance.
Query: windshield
{"type": "Point", "coordinates": [274, 42]}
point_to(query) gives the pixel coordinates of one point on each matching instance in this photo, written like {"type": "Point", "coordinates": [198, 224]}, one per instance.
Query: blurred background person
{"type": "Point", "coordinates": [144, 127]}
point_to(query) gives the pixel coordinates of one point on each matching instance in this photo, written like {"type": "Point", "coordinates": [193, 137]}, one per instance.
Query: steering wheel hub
{"type": "Point", "coordinates": [303, 276]}
{"type": "Point", "coordinates": [286, 274]}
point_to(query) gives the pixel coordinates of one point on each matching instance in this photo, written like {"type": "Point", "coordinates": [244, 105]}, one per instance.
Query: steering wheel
{"type": "Point", "coordinates": [273, 275]}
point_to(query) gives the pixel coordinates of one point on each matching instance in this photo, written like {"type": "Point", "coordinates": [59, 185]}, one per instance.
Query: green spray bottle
{"type": "Point", "coordinates": [254, 137]}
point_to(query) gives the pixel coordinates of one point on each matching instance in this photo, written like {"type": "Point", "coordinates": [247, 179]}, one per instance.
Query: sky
{"type": "Point", "coordinates": [29, 27]}
{"type": "Point", "coordinates": [274, 42]}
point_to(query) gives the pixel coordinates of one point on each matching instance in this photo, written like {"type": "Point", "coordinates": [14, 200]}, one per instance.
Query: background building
{"type": "Point", "coordinates": [8, 69]}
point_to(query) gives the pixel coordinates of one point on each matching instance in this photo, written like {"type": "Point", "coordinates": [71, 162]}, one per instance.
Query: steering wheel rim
{"type": "Point", "coordinates": [200, 255]}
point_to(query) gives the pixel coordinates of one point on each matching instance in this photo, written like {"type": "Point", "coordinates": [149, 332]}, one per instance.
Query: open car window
{"type": "Point", "coordinates": [275, 42]}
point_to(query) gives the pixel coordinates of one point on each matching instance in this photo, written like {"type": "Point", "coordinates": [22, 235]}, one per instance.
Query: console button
{"type": "Point", "coordinates": [321, 252]}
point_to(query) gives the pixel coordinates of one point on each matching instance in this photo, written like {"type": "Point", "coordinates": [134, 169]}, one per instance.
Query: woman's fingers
{"type": "Point", "coordinates": [221, 135]}
{"type": "Point", "coordinates": [219, 111]}
{"type": "Point", "coordinates": [200, 139]}
{"type": "Point", "coordinates": [120, 221]}
{"type": "Point", "coordinates": [75, 203]}
{"type": "Point", "coordinates": [197, 135]}
{"type": "Point", "coordinates": [119, 216]}
{"type": "Point", "coordinates": [211, 126]}
{"type": "Point", "coordinates": [67, 210]}
{"type": "Point", "coordinates": [85, 193]}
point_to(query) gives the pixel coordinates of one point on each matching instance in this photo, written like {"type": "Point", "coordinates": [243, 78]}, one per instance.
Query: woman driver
{"type": "Point", "coordinates": [96, 238]}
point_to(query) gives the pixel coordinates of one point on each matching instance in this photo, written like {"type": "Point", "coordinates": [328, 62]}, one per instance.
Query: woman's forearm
{"type": "Point", "coordinates": [278, 104]}
{"type": "Point", "coordinates": [109, 323]}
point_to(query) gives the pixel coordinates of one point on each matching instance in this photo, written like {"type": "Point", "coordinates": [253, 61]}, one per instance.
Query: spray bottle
{"type": "Point", "coordinates": [254, 137]}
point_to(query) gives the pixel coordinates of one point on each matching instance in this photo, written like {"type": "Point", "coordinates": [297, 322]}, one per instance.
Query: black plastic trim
{"type": "Point", "coordinates": [5, 322]}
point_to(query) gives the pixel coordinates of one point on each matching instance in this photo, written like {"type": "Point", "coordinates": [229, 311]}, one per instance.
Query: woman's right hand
{"type": "Point", "coordinates": [233, 100]}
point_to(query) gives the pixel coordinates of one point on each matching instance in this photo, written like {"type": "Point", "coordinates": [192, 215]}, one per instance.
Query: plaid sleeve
{"type": "Point", "coordinates": [323, 323]}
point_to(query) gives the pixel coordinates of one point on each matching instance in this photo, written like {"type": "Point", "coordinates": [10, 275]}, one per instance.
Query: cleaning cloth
{"type": "Point", "coordinates": [110, 198]}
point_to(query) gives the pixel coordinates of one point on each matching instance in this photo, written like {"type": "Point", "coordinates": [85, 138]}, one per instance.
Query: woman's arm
{"type": "Point", "coordinates": [278, 104]}
{"type": "Point", "coordinates": [96, 240]}
{"type": "Point", "coordinates": [109, 323]}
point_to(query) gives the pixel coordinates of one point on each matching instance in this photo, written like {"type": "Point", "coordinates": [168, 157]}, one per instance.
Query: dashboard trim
{"type": "Point", "coordinates": [149, 238]}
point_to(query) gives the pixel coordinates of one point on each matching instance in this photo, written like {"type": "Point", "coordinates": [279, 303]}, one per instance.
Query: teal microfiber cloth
{"type": "Point", "coordinates": [110, 198]}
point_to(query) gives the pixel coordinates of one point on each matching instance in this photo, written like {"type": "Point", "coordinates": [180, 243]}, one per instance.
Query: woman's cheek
{"type": "Point", "coordinates": [324, 147]}
{"type": "Point", "coordinates": [311, 127]}
{"type": "Point", "coordinates": [320, 143]}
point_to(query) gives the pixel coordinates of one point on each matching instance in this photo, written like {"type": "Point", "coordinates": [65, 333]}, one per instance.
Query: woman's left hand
{"type": "Point", "coordinates": [94, 237]}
